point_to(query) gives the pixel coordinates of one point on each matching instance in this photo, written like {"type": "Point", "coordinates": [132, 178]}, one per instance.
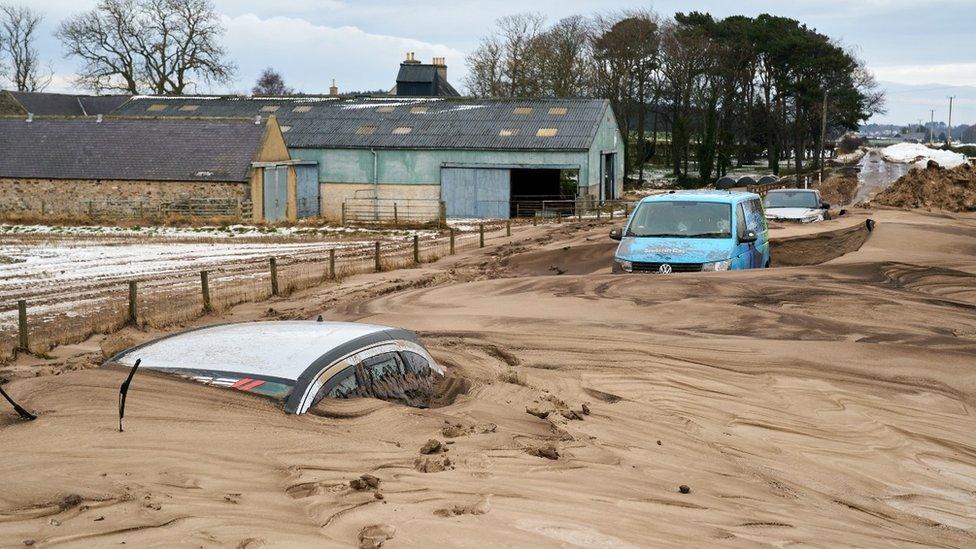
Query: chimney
{"type": "Point", "coordinates": [441, 64]}
{"type": "Point", "coordinates": [333, 89]}
{"type": "Point", "coordinates": [411, 60]}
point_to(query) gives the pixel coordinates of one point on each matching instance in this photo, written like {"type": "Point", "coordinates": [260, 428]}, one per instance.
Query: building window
{"type": "Point", "coordinates": [302, 108]}
{"type": "Point", "coordinates": [522, 110]}
{"type": "Point", "coordinates": [385, 108]}
{"type": "Point", "coordinates": [402, 130]}
{"type": "Point", "coordinates": [557, 111]}
{"type": "Point", "coordinates": [418, 109]}
{"type": "Point", "coordinates": [508, 132]}
{"type": "Point", "coordinates": [156, 107]}
{"type": "Point", "coordinates": [546, 132]}
{"type": "Point", "coordinates": [366, 130]}
{"type": "Point", "coordinates": [189, 108]}
{"type": "Point", "coordinates": [269, 108]}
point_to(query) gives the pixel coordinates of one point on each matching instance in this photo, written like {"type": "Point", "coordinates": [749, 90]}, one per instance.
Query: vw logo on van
{"type": "Point", "coordinates": [664, 269]}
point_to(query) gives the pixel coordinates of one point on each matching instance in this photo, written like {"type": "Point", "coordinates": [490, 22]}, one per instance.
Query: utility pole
{"type": "Point", "coordinates": [932, 127]}
{"type": "Point", "coordinates": [823, 135]}
{"type": "Point", "coordinates": [949, 127]}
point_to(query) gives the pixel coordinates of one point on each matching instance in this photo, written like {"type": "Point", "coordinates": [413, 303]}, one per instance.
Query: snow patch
{"type": "Point", "coordinates": [919, 155]}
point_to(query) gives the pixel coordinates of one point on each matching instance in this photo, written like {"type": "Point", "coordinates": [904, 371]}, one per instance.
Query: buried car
{"type": "Point", "coordinates": [693, 231]}
{"type": "Point", "coordinates": [297, 362]}
{"type": "Point", "coordinates": [802, 205]}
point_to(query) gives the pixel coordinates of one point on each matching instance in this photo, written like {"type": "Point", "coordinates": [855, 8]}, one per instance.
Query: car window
{"type": "Point", "coordinates": [740, 221]}
{"type": "Point", "coordinates": [755, 218]}
{"type": "Point", "coordinates": [343, 385]}
{"type": "Point", "coordinates": [416, 364]}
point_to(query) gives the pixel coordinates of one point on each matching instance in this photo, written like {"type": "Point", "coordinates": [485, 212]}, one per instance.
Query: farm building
{"type": "Point", "coordinates": [428, 156]}
{"type": "Point", "coordinates": [87, 168]}
{"type": "Point", "coordinates": [58, 104]}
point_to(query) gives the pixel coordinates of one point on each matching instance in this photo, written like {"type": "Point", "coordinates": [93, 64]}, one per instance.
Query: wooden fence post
{"type": "Point", "coordinates": [205, 289]}
{"type": "Point", "coordinates": [611, 212]}
{"type": "Point", "coordinates": [343, 214]}
{"type": "Point", "coordinates": [452, 240]}
{"type": "Point", "coordinates": [599, 212]}
{"type": "Point", "coordinates": [376, 256]}
{"type": "Point", "coordinates": [559, 217]}
{"type": "Point", "coordinates": [332, 273]}
{"type": "Point", "coordinates": [626, 209]}
{"type": "Point", "coordinates": [416, 249]}
{"type": "Point", "coordinates": [274, 276]}
{"type": "Point", "coordinates": [22, 324]}
{"type": "Point", "coordinates": [481, 235]}
{"type": "Point", "coordinates": [535, 220]}
{"type": "Point", "coordinates": [443, 213]}
{"type": "Point", "coordinates": [396, 215]}
{"type": "Point", "coordinates": [133, 302]}
{"type": "Point", "coordinates": [508, 227]}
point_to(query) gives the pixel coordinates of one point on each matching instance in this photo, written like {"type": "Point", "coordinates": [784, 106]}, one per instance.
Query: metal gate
{"type": "Point", "coordinates": [275, 193]}
{"type": "Point", "coordinates": [483, 193]}
{"type": "Point", "coordinates": [307, 189]}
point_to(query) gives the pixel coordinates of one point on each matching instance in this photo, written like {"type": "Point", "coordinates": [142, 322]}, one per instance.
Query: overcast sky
{"type": "Point", "coordinates": [917, 48]}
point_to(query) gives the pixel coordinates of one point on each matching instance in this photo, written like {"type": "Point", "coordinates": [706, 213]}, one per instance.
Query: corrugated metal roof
{"type": "Point", "coordinates": [137, 150]}
{"type": "Point", "coordinates": [444, 123]}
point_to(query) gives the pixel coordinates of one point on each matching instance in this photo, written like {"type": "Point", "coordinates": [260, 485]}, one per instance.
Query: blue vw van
{"type": "Point", "coordinates": [693, 231]}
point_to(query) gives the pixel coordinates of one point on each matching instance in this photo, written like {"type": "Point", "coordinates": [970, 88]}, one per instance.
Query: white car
{"type": "Point", "coordinates": [297, 362]}
{"type": "Point", "coordinates": [799, 205]}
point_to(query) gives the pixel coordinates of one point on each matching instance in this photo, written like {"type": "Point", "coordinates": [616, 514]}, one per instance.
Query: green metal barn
{"type": "Point", "coordinates": [423, 157]}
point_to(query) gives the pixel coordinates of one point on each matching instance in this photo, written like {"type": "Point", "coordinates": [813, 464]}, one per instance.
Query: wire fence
{"type": "Point", "coordinates": [159, 302]}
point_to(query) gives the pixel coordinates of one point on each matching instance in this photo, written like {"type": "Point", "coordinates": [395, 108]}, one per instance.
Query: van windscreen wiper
{"type": "Point", "coordinates": [17, 407]}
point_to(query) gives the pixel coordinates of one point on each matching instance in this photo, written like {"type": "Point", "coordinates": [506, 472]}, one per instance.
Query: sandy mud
{"type": "Point", "coordinates": [824, 405]}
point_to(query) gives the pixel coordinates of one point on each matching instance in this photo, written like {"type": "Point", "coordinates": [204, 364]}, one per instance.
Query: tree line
{"type": "Point", "coordinates": [726, 91]}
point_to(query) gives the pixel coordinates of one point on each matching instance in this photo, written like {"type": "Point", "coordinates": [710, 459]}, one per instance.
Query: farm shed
{"type": "Point", "coordinates": [481, 158]}
{"type": "Point", "coordinates": [113, 168]}
{"type": "Point", "coordinates": [58, 104]}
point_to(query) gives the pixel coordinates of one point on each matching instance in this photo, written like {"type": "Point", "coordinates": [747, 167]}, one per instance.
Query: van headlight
{"type": "Point", "coordinates": [716, 266]}
{"type": "Point", "coordinates": [625, 266]}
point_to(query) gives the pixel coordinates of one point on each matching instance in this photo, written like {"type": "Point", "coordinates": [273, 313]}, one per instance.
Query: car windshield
{"type": "Point", "coordinates": [792, 199]}
{"type": "Point", "coordinates": [682, 219]}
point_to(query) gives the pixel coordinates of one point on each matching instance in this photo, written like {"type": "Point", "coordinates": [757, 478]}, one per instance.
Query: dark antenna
{"type": "Point", "coordinates": [124, 390]}
{"type": "Point", "coordinates": [17, 408]}
{"type": "Point", "coordinates": [319, 319]}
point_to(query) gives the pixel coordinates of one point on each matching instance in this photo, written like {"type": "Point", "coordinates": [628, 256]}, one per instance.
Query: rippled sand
{"type": "Point", "coordinates": [826, 405]}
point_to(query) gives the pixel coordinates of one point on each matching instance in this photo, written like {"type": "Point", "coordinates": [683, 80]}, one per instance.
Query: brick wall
{"type": "Point", "coordinates": [45, 199]}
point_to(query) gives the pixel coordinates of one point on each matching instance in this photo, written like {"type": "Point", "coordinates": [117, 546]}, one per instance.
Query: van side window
{"type": "Point", "coordinates": [755, 218]}
{"type": "Point", "coordinates": [342, 385]}
{"type": "Point", "coordinates": [740, 221]}
{"type": "Point", "coordinates": [416, 364]}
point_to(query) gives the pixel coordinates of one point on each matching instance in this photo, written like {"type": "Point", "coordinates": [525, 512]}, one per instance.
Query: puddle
{"type": "Point", "coordinates": [875, 174]}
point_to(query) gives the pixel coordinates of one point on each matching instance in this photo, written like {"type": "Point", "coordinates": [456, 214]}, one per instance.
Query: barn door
{"type": "Point", "coordinates": [275, 193]}
{"type": "Point", "coordinates": [476, 192]}
{"type": "Point", "coordinates": [307, 187]}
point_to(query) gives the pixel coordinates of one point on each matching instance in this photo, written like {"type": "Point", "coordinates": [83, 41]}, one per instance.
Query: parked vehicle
{"type": "Point", "coordinates": [802, 205]}
{"type": "Point", "coordinates": [296, 362]}
{"type": "Point", "coordinates": [693, 231]}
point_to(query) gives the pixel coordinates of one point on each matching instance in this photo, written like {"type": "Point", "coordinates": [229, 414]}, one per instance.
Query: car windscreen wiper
{"type": "Point", "coordinates": [124, 391]}
{"type": "Point", "coordinates": [714, 234]}
{"type": "Point", "coordinates": [17, 407]}
{"type": "Point", "coordinates": [658, 235]}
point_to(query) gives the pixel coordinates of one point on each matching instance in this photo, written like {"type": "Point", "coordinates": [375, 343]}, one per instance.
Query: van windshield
{"type": "Point", "coordinates": [682, 219]}
{"type": "Point", "coordinates": [792, 199]}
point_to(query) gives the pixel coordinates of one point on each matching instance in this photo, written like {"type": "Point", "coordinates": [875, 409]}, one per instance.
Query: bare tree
{"type": "Point", "coordinates": [18, 35]}
{"type": "Point", "coordinates": [565, 54]}
{"type": "Point", "coordinates": [159, 46]}
{"type": "Point", "coordinates": [271, 83]}
{"type": "Point", "coordinates": [507, 63]}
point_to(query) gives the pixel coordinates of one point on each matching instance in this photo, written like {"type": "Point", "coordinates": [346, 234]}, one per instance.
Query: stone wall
{"type": "Point", "coordinates": [85, 200]}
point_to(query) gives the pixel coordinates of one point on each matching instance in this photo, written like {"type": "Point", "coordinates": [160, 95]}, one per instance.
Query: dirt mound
{"type": "Point", "coordinates": [934, 187]}
{"type": "Point", "coordinates": [838, 191]}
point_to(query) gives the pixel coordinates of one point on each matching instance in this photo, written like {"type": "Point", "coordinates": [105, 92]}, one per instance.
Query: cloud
{"type": "Point", "coordinates": [309, 56]}
{"type": "Point", "coordinates": [953, 74]}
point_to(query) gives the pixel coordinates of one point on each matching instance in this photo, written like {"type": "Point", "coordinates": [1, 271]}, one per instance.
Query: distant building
{"type": "Point", "coordinates": [417, 79]}
{"type": "Point", "coordinates": [113, 168]}
{"type": "Point", "coordinates": [476, 158]}
{"type": "Point", "coordinates": [58, 104]}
